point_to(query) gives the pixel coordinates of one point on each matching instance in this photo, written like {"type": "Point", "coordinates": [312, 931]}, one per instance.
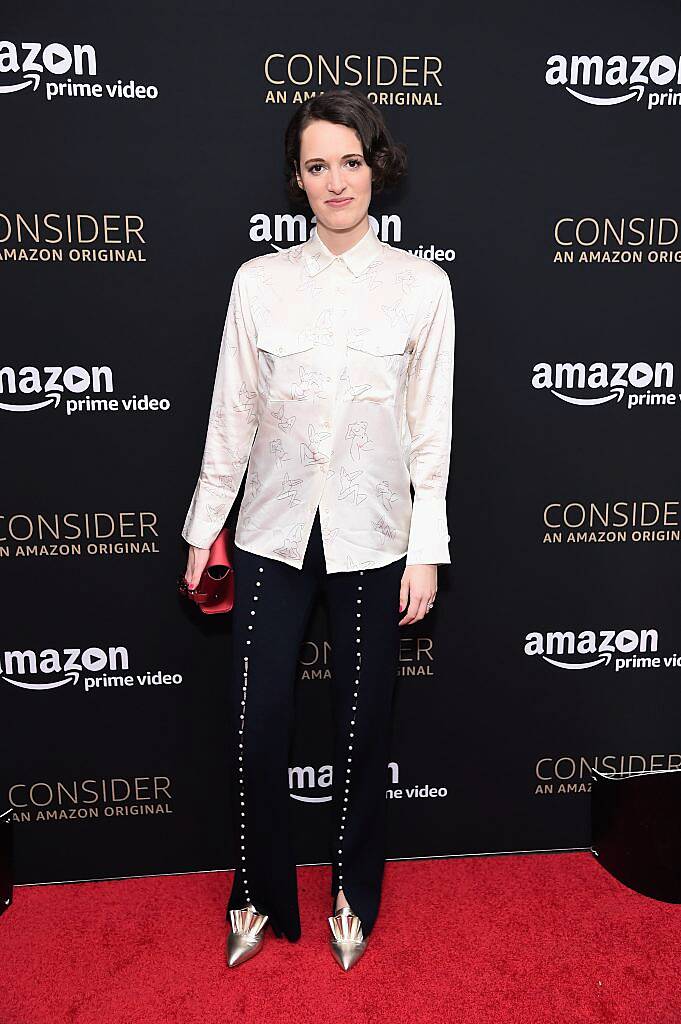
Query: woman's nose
{"type": "Point", "coordinates": [336, 183]}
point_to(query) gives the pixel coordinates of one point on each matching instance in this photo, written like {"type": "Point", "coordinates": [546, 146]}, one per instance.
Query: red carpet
{"type": "Point", "coordinates": [537, 939]}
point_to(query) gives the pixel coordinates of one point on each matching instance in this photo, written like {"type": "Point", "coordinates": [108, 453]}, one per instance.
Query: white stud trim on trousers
{"type": "Point", "coordinates": [358, 615]}
{"type": "Point", "coordinates": [242, 795]}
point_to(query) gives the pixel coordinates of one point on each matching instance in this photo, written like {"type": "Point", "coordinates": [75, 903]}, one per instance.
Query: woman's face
{"type": "Point", "coordinates": [333, 168]}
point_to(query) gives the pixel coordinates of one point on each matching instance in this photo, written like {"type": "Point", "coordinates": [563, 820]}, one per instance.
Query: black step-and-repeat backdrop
{"type": "Point", "coordinates": [142, 164]}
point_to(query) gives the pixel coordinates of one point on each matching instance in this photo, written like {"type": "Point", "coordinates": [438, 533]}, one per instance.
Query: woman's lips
{"type": "Point", "coordinates": [339, 202]}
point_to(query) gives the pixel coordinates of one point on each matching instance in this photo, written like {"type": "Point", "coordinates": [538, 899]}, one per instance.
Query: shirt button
{"type": "Point", "coordinates": [280, 349]}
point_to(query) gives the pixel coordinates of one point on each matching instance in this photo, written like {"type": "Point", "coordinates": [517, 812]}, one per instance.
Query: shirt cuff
{"type": "Point", "coordinates": [205, 518]}
{"type": "Point", "coordinates": [428, 534]}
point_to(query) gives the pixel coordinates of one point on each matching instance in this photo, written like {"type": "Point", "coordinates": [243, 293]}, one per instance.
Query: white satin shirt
{"type": "Point", "coordinates": [334, 386]}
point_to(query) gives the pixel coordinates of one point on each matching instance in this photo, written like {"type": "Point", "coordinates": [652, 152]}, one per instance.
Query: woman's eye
{"type": "Point", "coordinates": [354, 161]}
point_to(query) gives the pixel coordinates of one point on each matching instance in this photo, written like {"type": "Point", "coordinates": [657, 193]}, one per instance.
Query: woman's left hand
{"type": "Point", "coordinates": [418, 588]}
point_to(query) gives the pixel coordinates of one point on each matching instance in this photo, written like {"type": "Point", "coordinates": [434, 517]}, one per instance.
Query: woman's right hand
{"type": "Point", "coordinates": [196, 563]}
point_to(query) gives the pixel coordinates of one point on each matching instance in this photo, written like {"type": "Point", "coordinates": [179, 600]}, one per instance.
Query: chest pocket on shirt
{"type": "Point", "coordinates": [379, 342]}
{"type": "Point", "coordinates": [280, 341]}
{"type": "Point", "coordinates": [376, 361]}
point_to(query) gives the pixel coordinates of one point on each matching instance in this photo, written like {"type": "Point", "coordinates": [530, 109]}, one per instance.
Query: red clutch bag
{"type": "Point", "coordinates": [215, 592]}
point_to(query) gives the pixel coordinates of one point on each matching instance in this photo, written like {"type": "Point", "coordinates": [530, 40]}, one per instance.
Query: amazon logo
{"type": "Point", "coordinates": [31, 388]}
{"type": "Point", "coordinates": [590, 648]}
{"type": "Point", "coordinates": [636, 384]}
{"type": "Point", "coordinates": [71, 69]}
{"type": "Point", "coordinates": [28, 62]}
{"type": "Point", "coordinates": [623, 78]}
{"type": "Point", "coordinates": [51, 669]}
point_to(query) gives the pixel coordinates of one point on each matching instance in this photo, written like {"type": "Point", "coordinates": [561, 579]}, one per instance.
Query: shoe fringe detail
{"type": "Point", "coordinates": [346, 926]}
{"type": "Point", "coordinates": [247, 921]}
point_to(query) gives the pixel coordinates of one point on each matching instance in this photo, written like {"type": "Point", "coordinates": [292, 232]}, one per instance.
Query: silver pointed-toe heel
{"type": "Point", "coordinates": [347, 940]}
{"type": "Point", "coordinates": [246, 936]}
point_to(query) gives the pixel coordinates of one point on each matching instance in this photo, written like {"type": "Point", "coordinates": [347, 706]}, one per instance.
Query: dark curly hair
{"type": "Point", "coordinates": [387, 158]}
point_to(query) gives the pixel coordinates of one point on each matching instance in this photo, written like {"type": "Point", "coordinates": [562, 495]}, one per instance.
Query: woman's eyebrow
{"type": "Point", "coordinates": [321, 160]}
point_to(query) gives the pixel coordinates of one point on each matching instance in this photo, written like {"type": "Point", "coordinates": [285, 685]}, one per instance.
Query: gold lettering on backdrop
{"type": "Point", "coordinates": [301, 69]}
{"type": "Point", "coordinates": [569, 774]}
{"type": "Point", "coordinates": [81, 228]}
{"type": "Point", "coordinates": [622, 240]}
{"type": "Point", "coordinates": [611, 522]}
{"type": "Point", "coordinates": [80, 799]}
{"type": "Point", "coordinates": [412, 80]}
{"type": "Point", "coordinates": [75, 237]}
{"type": "Point", "coordinates": [64, 534]}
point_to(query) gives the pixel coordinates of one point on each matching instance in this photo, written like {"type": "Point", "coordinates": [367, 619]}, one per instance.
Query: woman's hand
{"type": "Point", "coordinates": [196, 563]}
{"type": "Point", "coordinates": [418, 588]}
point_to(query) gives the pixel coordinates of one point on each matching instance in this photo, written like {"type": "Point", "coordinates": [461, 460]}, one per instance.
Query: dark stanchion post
{"type": "Point", "coordinates": [636, 830]}
{"type": "Point", "coordinates": [6, 860]}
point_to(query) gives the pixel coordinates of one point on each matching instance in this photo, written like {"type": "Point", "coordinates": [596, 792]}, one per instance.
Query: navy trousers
{"type": "Point", "coordinates": [272, 605]}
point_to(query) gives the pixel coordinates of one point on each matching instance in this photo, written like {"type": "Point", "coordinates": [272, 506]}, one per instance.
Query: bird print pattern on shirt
{"type": "Point", "coordinates": [290, 547]}
{"type": "Point", "coordinates": [386, 495]}
{"type": "Point", "coordinates": [333, 391]}
{"type": "Point", "coordinates": [370, 277]}
{"type": "Point", "coordinates": [383, 528]}
{"type": "Point", "coordinates": [289, 490]}
{"type": "Point", "coordinates": [359, 439]}
{"type": "Point", "coordinates": [310, 450]}
{"type": "Point", "coordinates": [310, 384]}
{"type": "Point", "coordinates": [321, 331]}
{"type": "Point", "coordinates": [349, 488]}
{"type": "Point", "coordinates": [247, 402]}
{"type": "Point", "coordinates": [350, 390]}
{"type": "Point", "coordinates": [279, 452]}
{"type": "Point", "coordinates": [396, 315]}
{"type": "Point", "coordinates": [285, 422]}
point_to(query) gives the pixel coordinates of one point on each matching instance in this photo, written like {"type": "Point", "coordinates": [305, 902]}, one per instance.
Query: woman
{"type": "Point", "coordinates": [334, 384]}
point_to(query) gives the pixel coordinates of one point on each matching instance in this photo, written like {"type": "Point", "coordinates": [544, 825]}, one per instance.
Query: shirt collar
{"type": "Point", "coordinates": [317, 256]}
